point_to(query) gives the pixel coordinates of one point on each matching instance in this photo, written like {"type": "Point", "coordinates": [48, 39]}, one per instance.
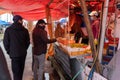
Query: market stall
{"type": "Point", "coordinates": [73, 61]}
{"type": "Point", "coordinates": [70, 56]}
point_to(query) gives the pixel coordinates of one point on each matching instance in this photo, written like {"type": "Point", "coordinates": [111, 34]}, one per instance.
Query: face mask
{"type": "Point", "coordinates": [92, 18]}
{"type": "Point", "coordinates": [43, 27]}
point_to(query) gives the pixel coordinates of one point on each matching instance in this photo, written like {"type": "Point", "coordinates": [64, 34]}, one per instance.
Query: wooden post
{"type": "Point", "coordinates": [30, 25]}
{"type": "Point", "coordinates": [50, 29]}
{"type": "Point", "coordinates": [49, 21]}
{"type": "Point", "coordinates": [90, 34]}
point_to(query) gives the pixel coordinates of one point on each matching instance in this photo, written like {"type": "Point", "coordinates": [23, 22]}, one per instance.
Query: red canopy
{"type": "Point", "coordinates": [36, 9]}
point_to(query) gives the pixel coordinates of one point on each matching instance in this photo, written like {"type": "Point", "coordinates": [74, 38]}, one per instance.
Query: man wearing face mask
{"type": "Point", "coordinates": [40, 41]}
{"type": "Point", "coordinates": [95, 22]}
{"type": "Point", "coordinates": [16, 41]}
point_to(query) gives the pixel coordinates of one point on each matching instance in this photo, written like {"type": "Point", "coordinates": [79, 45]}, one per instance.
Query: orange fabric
{"type": "Point", "coordinates": [40, 13]}
{"type": "Point", "coordinates": [35, 9]}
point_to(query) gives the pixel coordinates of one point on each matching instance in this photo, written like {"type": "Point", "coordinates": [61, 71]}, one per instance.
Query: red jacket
{"type": "Point", "coordinates": [110, 37]}
{"type": "Point", "coordinates": [95, 28]}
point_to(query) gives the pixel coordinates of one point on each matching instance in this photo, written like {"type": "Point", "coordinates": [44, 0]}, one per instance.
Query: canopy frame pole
{"type": "Point", "coordinates": [50, 29]}
{"type": "Point", "coordinates": [102, 37]}
{"type": "Point", "coordinates": [90, 34]}
{"type": "Point", "coordinates": [49, 21]}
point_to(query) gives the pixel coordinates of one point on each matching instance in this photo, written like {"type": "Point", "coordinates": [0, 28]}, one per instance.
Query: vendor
{"type": "Point", "coordinates": [117, 24]}
{"type": "Point", "coordinates": [95, 22]}
{"type": "Point", "coordinates": [115, 29]}
{"type": "Point", "coordinates": [59, 31]}
{"type": "Point", "coordinates": [79, 30]}
{"type": "Point", "coordinates": [110, 34]}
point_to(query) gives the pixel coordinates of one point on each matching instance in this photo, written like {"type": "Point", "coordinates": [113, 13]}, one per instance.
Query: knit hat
{"type": "Point", "coordinates": [41, 21]}
{"type": "Point", "coordinates": [16, 18]}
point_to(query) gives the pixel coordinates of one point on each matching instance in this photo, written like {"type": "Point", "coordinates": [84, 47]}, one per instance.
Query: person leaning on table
{"type": "Point", "coordinates": [40, 41]}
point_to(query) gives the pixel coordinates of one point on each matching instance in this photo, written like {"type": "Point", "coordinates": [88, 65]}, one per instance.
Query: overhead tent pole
{"type": "Point", "coordinates": [102, 38]}
{"type": "Point", "coordinates": [49, 20]}
{"type": "Point", "coordinates": [29, 26]}
{"type": "Point", "coordinates": [50, 29]}
{"type": "Point", "coordinates": [90, 34]}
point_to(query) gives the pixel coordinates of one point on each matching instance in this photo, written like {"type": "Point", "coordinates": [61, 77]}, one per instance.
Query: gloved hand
{"type": "Point", "coordinates": [95, 41]}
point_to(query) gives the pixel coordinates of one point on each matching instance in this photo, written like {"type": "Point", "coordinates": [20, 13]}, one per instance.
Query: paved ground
{"type": "Point", "coordinates": [28, 75]}
{"type": "Point", "coordinates": [27, 72]}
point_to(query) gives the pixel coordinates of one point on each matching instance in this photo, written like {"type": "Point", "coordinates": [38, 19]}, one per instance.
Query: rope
{"type": "Point", "coordinates": [79, 72]}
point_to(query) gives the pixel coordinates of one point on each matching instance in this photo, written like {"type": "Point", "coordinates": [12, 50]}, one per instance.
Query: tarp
{"type": "Point", "coordinates": [4, 23]}
{"type": "Point", "coordinates": [36, 9]}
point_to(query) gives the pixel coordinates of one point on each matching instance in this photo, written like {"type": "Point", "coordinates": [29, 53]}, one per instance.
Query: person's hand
{"type": "Point", "coordinates": [95, 41]}
{"type": "Point", "coordinates": [58, 39]}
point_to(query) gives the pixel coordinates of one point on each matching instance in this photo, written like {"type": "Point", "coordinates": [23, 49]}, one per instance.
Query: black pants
{"type": "Point", "coordinates": [18, 67]}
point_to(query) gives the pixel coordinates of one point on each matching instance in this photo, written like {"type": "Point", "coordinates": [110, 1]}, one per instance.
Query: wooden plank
{"type": "Point", "coordinates": [90, 34]}
{"type": "Point", "coordinates": [49, 26]}
{"type": "Point", "coordinates": [49, 21]}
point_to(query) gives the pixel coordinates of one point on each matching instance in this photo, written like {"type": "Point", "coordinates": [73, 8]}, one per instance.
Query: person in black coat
{"type": "Point", "coordinates": [16, 42]}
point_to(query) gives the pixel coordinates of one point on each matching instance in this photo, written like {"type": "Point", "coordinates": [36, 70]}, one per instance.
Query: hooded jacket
{"type": "Point", "coordinates": [40, 41]}
{"type": "Point", "coordinates": [16, 40]}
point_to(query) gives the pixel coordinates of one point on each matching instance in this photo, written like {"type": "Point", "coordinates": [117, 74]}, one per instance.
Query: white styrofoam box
{"type": "Point", "coordinates": [96, 76]}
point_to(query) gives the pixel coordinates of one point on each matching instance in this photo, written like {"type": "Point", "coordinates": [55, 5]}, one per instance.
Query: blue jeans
{"type": "Point", "coordinates": [38, 68]}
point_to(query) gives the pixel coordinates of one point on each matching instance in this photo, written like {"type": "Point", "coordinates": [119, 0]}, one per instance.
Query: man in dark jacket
{"type": "Point", "coordinates": [40, 41]}
{"type": "Point", "coordinates": [16, 41]}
